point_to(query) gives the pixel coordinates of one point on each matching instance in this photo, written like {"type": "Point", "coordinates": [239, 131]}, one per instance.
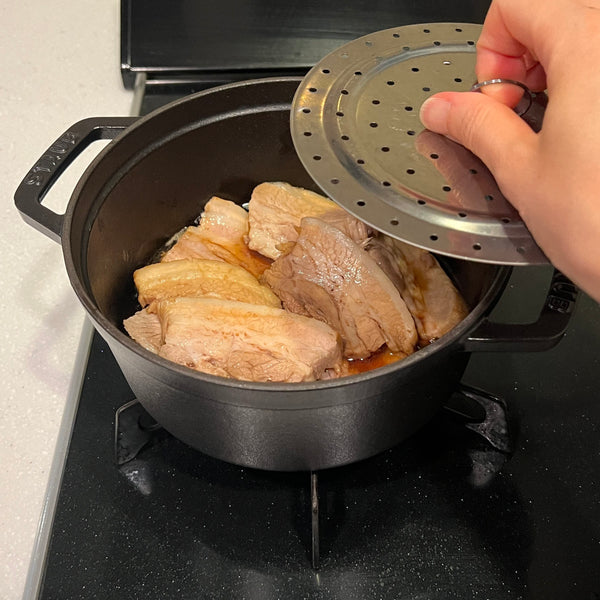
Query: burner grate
{"type": "Point", "coordinates": [477, 411]}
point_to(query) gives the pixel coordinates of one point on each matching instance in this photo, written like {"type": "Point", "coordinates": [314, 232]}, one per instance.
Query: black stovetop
{"type": "Point", "coordinates": [443, 515]}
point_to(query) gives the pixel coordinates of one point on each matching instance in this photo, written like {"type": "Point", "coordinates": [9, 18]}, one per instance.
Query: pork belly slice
{"type": "Point", "coordinates": [433, 300]}
{"type": "Point", "coordinates": [356, 230]}
{"type": "Point", "coordinates": [190, 244]}
{"type": "Point", "coordinates": [144, 328]}
{"type": "Point", "coordinates": [276, 210]}
{"type": "Point", "coordinates": [247, 341]}
{"type": "Point", "coordinates": [220, 235]}
{"type": "Point", "coordinates": [328, 276]}
{"type": "Point", "coordinates": [197, 277]}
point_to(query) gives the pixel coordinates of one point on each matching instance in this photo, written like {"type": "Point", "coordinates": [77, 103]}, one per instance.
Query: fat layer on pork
{"type": "Point", "coordinates": [277, 208]}
{"type": "Point", "coordinates": [195, 277]}
{"type": "Point", "coordinates": [326, 275]}
{"type": "Point", "coordinates": [221, 234]}
{"type": "Point", "coordinates": [433, 300]}
{"type": "Point", "coordinates": [247, 341]}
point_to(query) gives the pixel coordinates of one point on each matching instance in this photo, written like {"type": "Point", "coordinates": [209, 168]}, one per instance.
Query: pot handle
{"type": "Point", "coordinates": [44, 173]}
{"type": "Point", "coordinates": [543, 334]}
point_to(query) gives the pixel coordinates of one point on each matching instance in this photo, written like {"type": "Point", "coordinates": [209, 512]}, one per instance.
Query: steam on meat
{"type": "Point", "coordinates": [221, 235]}
{"type": "Point", "coordinates": [195, 277]}
{"type": "Point", "coordinates": [246, 341]}
{"type": "Point", "coordinates": [430, 295]}
{"type": "Point", "coordinates": [328, 276]}
{"type": "Point", "coordinates": [276, 210]}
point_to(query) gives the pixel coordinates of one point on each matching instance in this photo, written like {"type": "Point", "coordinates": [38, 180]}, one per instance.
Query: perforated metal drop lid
{"type": "Point", "coordinates": [356, 128]}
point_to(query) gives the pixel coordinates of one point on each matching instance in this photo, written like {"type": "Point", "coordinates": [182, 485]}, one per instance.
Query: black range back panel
{"type": "Point", "coordinates": [262, 36]}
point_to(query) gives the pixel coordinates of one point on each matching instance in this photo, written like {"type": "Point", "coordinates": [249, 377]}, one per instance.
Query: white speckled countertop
{"type": "Point", "coordinates": [60, 63]}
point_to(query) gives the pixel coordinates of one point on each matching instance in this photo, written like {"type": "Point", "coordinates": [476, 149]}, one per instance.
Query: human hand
{"type": "Point", "coordinates": [551, 177]}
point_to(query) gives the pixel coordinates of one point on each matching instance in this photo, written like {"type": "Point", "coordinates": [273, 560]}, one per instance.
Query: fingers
{"type": "Point", "coordinates": [525, 69]}
{"type": "Point", "coordinates": [506, 48]}
{"type": "Point", "coordinates": [491, 130]}
{"type": "Point", "coordinates": [499, 49]}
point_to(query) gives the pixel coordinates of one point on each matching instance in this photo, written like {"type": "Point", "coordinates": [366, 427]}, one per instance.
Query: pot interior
{"type": "Point", "coordinates": [156, 178]}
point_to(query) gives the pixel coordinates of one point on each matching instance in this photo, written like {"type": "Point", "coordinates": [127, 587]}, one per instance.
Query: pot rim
{"type": "Point", "coordinates": [456, 336]}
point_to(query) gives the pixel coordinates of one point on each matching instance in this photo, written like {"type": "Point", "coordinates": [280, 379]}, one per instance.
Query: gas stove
{"type": "Point", "coordinates": [496, 498]}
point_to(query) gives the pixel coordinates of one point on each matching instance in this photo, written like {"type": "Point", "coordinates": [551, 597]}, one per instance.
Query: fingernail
{"type": "Point", "coordinates": [434, 114]}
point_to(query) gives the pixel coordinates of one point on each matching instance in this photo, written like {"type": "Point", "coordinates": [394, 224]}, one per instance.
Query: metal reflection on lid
{"type": "Point", "coordinates": [356, 128]}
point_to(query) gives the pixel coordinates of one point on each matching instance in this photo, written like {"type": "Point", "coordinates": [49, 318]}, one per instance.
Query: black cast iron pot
{"type": "Point", "coordinates": [154, 179]}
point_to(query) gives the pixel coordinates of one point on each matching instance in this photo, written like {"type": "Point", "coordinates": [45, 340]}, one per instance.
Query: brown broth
{"type": "Point", "coordinates": [381, 358]}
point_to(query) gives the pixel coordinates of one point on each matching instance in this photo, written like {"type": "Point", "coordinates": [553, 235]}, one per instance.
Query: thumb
{"type": "Point", "coordinates": [490, 129]}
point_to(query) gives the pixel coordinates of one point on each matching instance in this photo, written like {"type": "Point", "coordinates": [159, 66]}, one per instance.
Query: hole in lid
{"type": "Point", "coordinates": [335, 181]}
{"type": "Point", "coordinates": [433, 238]}
{"type": "Point", "coordinates": [415, 69]}
{"type": "Point", "coordinates": [391, 82]}
{"type": "Point", "coordinates": [458, 29]}
{"type": "Point", "coordinates": [368, 43]}
{"type": "Point", "coordinates": [345, 137]}
{"type": "Point", "coordinates": [408, 108]}
{"type": "Point", "coordinates": [476, 246]}
{"type": "Point", "coordinates": [434, 155]}
{"type": "Point", "coordinates": [447, 62]}
{"type": "Point", "coordinates": [344, 92]}
{"type": "Point", "coordinates": [471, 42]}
{"type": "Point", "coordinates": [312, 89]}
{"type": "Point", "coordinates": [411, 132]}
{"type": "Point", "coordinates": [385, 149]}
{"type": "Point", "coordinates": [306, 110]}
{"type": "Point", "coordinates": [458, 80]}
{"type": "Point", "coordinates": [373, 124]}
{"type": "Point", "coordinates": [394, 222]}
{"type": "Point", "coordinates": [360, 202]}
{"type": "Point", "coordinates": [360, 161]}
{"type": "Point", "coordinates": [436, 43]}
{"type": "Point", "coordinates": [357, 72]}
{"type": "Point", "coordinates": [505, 220]}
{"type": "Point", "coordinates": [426, 31]}
{"type": "Point", "coordinates": [421, 202]}
{"type": "Point", "coordinates": [307, 133]}
{"type": "Point", "coordinates": [462, 215]}
{"type": "Point", "coordinates": [410, 171]}
{"type": "Point", "coordinates": [316, 157]}
{"type": "Point", "coordinates": [489, 197]}
{"type": "Point", "coordinates": [405, 48]}
{"type": "Point", "coordinates": [396, 35]}
{"type": "Point", "coordinates": [446, 188]}
{"type": "Point", "coordinates": [339, 113]}
{"type": "Point", "coordinates": [426, 89]}
{"type": "Point", "coordinates": [375, 101]}
{"type": "Point", "coordinates": [386, 183]}
{"type": "Point", "coordinates": [326, 71]}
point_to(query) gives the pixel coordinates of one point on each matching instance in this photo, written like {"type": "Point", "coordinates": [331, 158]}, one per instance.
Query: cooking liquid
{"type": "Point", "coordinates": [381, 358]}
